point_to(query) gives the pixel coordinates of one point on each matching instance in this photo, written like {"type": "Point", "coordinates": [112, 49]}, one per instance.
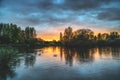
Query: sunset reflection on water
{"type": "Point", "coordinates": [61, 63]}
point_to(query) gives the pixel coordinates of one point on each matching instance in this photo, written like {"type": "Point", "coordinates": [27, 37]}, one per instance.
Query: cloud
{"type": "Point", "coordinates": [53, 5]}
{"type": "Point", "coordinates": [57, 12]}
{"type": "Point", "coordinates": [70, 4]}
{"type": "Point", "coordinates": [110, 14]}
{"type": "Point", "coordinates": [117, 28]}
{"type": "Point", "coordinates": [1, 2]}
{"type": "Point", "coordinates": [84, 4]}
{"type": "Point", "coordinates": [49, 17]}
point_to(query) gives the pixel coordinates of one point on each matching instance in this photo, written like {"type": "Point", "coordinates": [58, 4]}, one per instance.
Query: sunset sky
{"type": "Point", "coordinates": [50, 17]}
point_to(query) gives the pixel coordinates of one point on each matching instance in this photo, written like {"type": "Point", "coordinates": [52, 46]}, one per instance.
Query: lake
{"type": "Point", "coordinates": [58, 63]}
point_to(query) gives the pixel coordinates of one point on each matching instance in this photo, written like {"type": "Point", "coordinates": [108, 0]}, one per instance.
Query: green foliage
{"type": "Point", "coordinates": [11, 33]}
{"type": "Point", "coordinates": [86, 37]}
{"type": "Point", "coordinates": [67, 35]}
{"type": "Point", "coordinates": [8, 60]}
{"type": "Point", "coordinates": [8, 55]}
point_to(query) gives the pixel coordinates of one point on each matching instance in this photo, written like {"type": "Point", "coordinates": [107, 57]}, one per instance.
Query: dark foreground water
{"type": "Point", "coordinates": [56, 63]}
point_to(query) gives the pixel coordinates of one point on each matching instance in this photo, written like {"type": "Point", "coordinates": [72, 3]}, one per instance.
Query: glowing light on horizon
{"type": "Point", "coordinates": [55, 34]}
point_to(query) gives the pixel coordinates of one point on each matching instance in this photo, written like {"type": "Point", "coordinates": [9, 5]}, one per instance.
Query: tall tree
{"type": "Point", "coordinates": [67, 35]}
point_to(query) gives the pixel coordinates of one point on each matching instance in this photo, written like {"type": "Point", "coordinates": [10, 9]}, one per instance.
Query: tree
{"type": "Point", "coordinates": [11, 33]}
{"type": "Point", "coordinates": [67, 35]}
{"type": "Point", "coordinates": [30, 32]}
{"type": "Point", "coordinates": [105, 36]}
{"type": "Point", "coordinates": [78, 37]}
{"type": "Point", "coordinates": [99, 36]}
{"type": "Point", "coordinates": [114, 35]}
{"type": "Point", "coordinates": [61, 37]}
{"type": "Point", "coordinates": [84, 34]}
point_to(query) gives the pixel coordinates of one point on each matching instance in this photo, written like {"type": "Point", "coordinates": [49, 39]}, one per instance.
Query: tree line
{"type": "Point", "coordinates": [86, 37]}
{"type": "Point", "coordinates": [11, 33]}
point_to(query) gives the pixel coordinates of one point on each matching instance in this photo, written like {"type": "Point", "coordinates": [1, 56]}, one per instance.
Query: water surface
{"type": "Point", "coordinates": [57, 63]}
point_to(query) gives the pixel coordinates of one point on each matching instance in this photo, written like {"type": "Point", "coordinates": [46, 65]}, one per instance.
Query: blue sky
{"type": "Point", "coordinates": [49, 17]}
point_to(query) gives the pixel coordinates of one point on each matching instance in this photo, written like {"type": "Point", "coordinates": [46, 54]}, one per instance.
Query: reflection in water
{"type": "Point", "coordinates": [28, 55]}
{"type": "Point", "coordinates": [115, 53]}
{"type": "Point", "coordinates": [8, 61]}
{"type": "Point", "coordinates": [80, 63]}
{"type": "Point", "coordinates": [108, 52]}
{"type": "Point", "coordinates": [82, 55]}
{"type": "Point", "coordinates": [30, 59]}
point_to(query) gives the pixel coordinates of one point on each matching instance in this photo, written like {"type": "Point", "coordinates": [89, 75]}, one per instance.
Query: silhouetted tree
{"type": "Point", "coordinates": [114, 35]}
{"type": "Point", "coordinates": [86, 37]}
{"type": "Point", "coordinates": [11, 33]}
{"type": "Point", "coordinates": [67, 35]}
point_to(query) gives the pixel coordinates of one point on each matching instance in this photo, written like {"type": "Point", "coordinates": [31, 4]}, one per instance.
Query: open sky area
{"type": "Point", "coordinates": [50, 17]}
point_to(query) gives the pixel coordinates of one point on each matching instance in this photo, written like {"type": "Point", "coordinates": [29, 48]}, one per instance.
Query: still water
{"type": "Point", "coordinates": [57, 63]}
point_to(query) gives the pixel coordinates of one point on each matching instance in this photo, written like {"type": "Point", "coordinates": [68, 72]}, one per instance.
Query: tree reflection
{"type": "Point", "coordinates": [116, 52]}
{"type": "Point", "coordinates": [69, 55]}
{"type": "Point", "coordinates": [26, 49]}
{"type": "Point", "coordinates": [104, 51]}
{"type": "Point", "coordinates": [29, 55]}
{"type": "Point", "coordinates": [8, 61]}
{"type": "Point", "coordinates": [30, 59]}
{"type": "Point", "coordinates": [81, 55]}
{"type": "Point", "coordinates": [84, 55]}
{"type": "Point", "coordinates": [113, 52]}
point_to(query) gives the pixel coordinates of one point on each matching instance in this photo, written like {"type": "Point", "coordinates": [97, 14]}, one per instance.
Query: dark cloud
{"type": "Point", "coordinates": [50, 5]}
{"type": "Point", "coordinates": [109, 14]}
{"type": "Point", "coordinates": [1, 3]}
{"type": "Point", "coordinates": [71, 4]}
{"type": "Point", "coordinates": [35, 12]}
{"type": "Point", "coordinates": [117, 28]}
{"type": "Point", "coordinates": [34, 21]}
{"type": "Point", "coordinates": [86, 4]}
